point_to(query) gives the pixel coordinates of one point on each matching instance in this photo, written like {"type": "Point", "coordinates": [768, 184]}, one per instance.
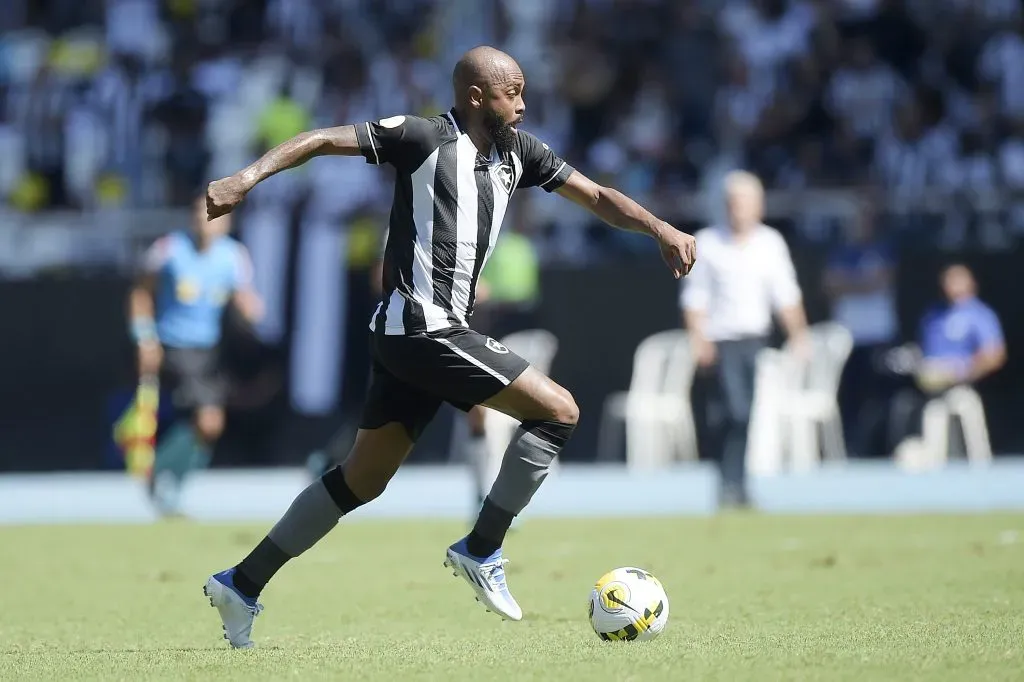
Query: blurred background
{"type": "Point", "coordinates": [888, 134]}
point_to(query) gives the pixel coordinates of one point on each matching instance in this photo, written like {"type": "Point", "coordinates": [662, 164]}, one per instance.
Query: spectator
{"type": "Point", "coordinates": [744, 273]}
{"type": "Point", "coordinates": [863, 91]}
{"type": "Point", "coordinates": [961, 343]}
{"type": "Point", "coordinates": [859, 280]}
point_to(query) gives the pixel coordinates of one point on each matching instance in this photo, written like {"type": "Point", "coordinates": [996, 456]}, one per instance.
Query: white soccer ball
{"type": "Point", "coordinates": [628, 604]}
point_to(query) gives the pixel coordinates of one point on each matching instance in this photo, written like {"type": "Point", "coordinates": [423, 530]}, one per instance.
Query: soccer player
{"type": "Point", "coordinates": [188, 277]}
{"type": "Point", "coordinates": [455, 175]}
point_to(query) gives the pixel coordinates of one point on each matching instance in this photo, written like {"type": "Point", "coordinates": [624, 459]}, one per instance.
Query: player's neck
{"type": "Point", "coordinates": [481, 141]}
{"type": "Point", "coordinates": [477, 133]}
{"type": "Point", "coordinates": [741, 233]}
{"type": "Point", "coordinates": [201, 242]}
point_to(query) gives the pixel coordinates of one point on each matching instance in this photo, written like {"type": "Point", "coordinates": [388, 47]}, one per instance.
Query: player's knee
{"type": "Point", "coordinates": [563, 408]}
{"type": "Point", "coordinates": [209, 423]}
{"type": "Point", "coordinates": [367, 486]}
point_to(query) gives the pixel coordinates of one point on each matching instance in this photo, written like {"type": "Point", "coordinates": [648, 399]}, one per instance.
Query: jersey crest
{"type": "Point", "coordinates": [507, 177]}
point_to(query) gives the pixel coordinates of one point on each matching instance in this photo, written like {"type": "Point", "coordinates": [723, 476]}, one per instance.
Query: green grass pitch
{"type": "Point", "coordinates": [752, 598]}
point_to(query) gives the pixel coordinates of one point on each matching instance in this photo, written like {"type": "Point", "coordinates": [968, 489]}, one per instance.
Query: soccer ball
{"type": "Point", "coordinates": [628, 604]}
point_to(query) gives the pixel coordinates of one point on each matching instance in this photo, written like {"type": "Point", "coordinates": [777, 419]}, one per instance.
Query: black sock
{"type": "Point", "coordinates": [256, 570]}
{"type": "Point", "coordinates": [489, 532]}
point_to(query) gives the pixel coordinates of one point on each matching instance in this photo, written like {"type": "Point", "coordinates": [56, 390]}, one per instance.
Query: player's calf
{"type": "Point", "coordinates": [311, 516]}
{"type": "Point", "coordinates": [548, 417]}
{"type": "Point", "coordinates": [375, 457]}
{"type": "Point", "coordinates": [524, 467]}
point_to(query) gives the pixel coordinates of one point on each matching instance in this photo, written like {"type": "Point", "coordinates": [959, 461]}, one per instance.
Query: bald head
{"type": "Point", "coordinates": [488, 87]}
{"type": "Point", "coordinates": [483, 67]}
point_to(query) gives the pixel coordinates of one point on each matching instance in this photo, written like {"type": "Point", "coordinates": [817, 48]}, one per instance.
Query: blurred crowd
{"type": "Point", "coordinates": [139, 102]}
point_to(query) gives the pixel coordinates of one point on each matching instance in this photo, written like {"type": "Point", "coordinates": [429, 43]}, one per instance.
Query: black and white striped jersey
{"type": "Point", "coordinates": [446, 213]}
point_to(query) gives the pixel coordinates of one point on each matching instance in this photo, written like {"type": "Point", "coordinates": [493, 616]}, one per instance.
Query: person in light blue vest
{"type": "Point", "coordinates": [186, 281]}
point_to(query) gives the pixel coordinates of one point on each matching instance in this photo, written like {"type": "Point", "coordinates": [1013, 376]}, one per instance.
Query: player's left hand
{"type": "Point", "coordinates": [223, 195]}
{"type": "Point", "coordinates": [678, 249]}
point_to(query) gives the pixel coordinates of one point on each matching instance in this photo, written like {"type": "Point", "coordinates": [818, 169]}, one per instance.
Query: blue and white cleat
{"type": "Point", "coordinates": [486, 575]}
{"type": "Point", "coordinates": [237, 611]}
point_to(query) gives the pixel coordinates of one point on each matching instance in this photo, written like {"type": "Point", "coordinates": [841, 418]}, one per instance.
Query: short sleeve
{"type": "Point", "coordinates": [403, 141]}
{"type": "Point", "coordinates": [785, 289]}
{"type": "Point", "coordinates": [541, 166]}
{"type": "Point", "coordinates": [987, 329]}
{"type": "Point", "coordinates": [243, 269]}
{"type": "Point", "coordinates": [157, 255]}
{"type": "Point", "coordinates": [695, 288]}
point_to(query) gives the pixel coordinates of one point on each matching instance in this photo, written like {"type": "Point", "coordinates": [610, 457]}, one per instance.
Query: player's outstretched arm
{"type": "Point", "coordinates": [613, 207]}
{"type": "Point", "coordinates": [223, 195]}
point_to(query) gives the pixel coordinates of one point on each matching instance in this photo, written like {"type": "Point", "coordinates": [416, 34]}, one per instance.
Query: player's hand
{"type": "Point", "coordinates": [800, 346]}
{"type": "Point", "coordinates": [934, 377]}
{"type": "Point", "coordinates": [223, 195]}
{"type": "Point", "coordinates": [483, 292]}
{"type": "Point", "coordinates": [250, 305]}
{"type": "Point", "coordinates": [678, 249]}
{"type": "Point", "coordinates": [704, 351]}
{"type": "Point", "coordinates": [151, 356]}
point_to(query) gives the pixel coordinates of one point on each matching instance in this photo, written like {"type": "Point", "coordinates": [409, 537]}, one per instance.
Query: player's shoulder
{"type": "Point", "coordinates": [436, 126]}
{"type": "Point", "coordinates": [982, 309]}
{"type": "Point", "coordinates": [528, 144]}
{"type": "Point", "coordinates": [232, 247]}
{"type": "Point", "coordinates": [711, 234]}
{"type": "Point", "coordinates": [770, 236]}
{"type": "Point", "coordinates": [164, 249]}
{"type": "Point", "coordinates": [173, 242]}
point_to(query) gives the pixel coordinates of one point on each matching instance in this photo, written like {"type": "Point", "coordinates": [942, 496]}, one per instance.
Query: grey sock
{"type": "Point", "coordinates": [524, 467]}
{"type": "Point", "coordinates": [310, 517]}
{"type": "Point", "coordinates": [526, 463]}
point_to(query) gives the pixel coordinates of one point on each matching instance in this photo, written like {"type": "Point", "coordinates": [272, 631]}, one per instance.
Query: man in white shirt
{"type": "Point", "coordinates": [744, 274]}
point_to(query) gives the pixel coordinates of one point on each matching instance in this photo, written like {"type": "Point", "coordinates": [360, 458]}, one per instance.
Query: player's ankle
{"type": "Point", "coordinates": [488, 533]}
{"type": "Point", "coordinates": [245, 585]}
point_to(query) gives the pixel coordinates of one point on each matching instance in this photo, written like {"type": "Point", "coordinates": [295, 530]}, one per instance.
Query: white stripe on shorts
{"type": "Point", "coordinates": [463, 354]}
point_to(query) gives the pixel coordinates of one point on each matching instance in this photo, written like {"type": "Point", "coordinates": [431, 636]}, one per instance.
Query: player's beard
{"type": "Point", "coordinates": [502, 133]}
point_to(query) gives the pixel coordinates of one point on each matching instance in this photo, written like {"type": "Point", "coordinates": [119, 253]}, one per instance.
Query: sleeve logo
{"type": "Point", "coordinates": [391, 122]}
{"type": "Point", "coordinates": [495, 347]}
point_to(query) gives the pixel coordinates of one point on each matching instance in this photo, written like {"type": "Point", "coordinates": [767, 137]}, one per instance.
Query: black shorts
{"type": "Point", "coordinates": [194, 377]}
{"type": "Point", "coordinates": [412, 375]}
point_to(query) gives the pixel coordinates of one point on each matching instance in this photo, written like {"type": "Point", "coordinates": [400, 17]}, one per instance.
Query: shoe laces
{"type": "Point", "coordinates": [253, 609]}
{"type": "Point", "coordinates": [494, 572]}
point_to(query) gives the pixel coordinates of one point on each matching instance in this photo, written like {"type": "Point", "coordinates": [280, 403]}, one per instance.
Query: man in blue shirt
{"type": "Point", "coordinates": [961, 343]}
{"type": "Point", "coordinates": [187, 279]}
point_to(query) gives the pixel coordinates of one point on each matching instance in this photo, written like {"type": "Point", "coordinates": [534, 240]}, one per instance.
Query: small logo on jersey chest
{"type": "Point", "coordinates": [495, 346]}
{"type": "Point", "coordinates": [506, 176]}
{"type": "Point", "coordinates": [187, 290]}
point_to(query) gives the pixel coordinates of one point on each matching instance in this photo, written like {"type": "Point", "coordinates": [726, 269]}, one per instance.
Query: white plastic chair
{"type": "Point", "coordinates": [795, 400]}
{"type": "Point", "coordinates": [538, 347]}
{"type": "Point", "coordinates": [931, 450]}
{"type": "Point", "coordinates": [656, 411]}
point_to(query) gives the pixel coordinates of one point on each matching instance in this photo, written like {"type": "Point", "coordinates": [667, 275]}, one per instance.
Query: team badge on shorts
{"type": "Point", "coordinates": [495, 346]}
